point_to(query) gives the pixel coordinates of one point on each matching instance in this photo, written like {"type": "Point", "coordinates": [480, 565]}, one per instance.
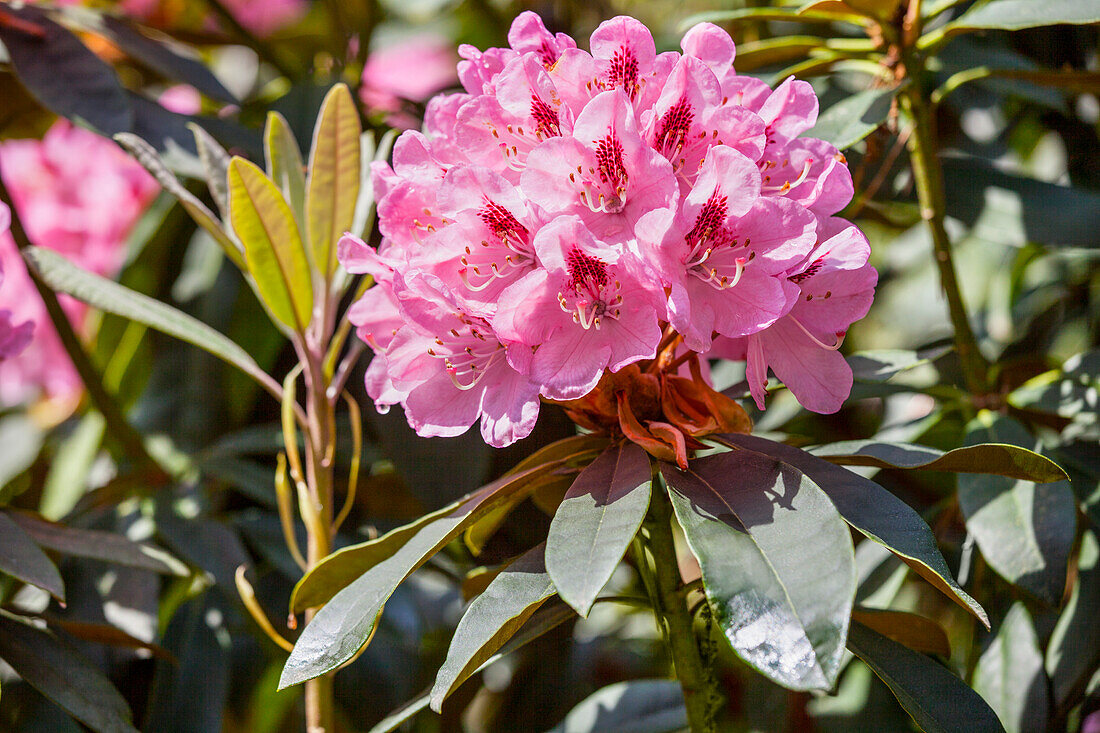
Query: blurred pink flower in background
{"type": "Point", "coordinates": [183, 99]}
{"type": "Point", "coordinates": [78, 194]}
{"type": "Point", "coordinates": [262, 17]}
{"type": "Point", "coordinates": [412, 68]}
{"type": "Point", "coordinates": [13, 338]}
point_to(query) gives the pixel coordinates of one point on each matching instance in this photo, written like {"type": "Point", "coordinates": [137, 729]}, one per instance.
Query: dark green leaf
{"type": "Point", "coordinates": [98, 545]}
{"type": "Point", "coordinates": [1025, 209]}
{"type": "Point", "coordinates": [938, 701]}
{"type": "Point", "coordinates": [1010, 675]}
{"type": "Point", "coordinates": [339, 569]}
{"type": "Point", "coordinates": [109, 296]}
{"type": "Point", "coordinates": [595, 523]}
{"type": "Point", "coordinates": [1014, 15]}
{"type": "Point", "coordinates": [58, 671]}
{"type": "Point", "coordinates": [779, 50]}
{"type": "Point", "coordinates": [916, 632]}
{"type": "Point", "coordinates": [1024, 530]}
{"type": "Point", "coordinates": [1074, 648]}
{"type": "Point", "coordinates": [206, 543]}
{"type": "Point", "coordinates": [64, 75]}
{"type": "Point", "coordinates": [22, 558]}
{"type": "Point", "coordinates": [776, 560]}
{"type": "Point", "coordinates": [491, 619]}
{"type": "Point", "coordinates": [163, 55]}
{"type": "Point", "coordinates": [875, 512]}
{"type": "Point", "coordinates": [1000, 459]}
{"type": "Point", "coordinates": [545, 619]}
{"type": "Point", "coordinates": [849, 121]}
{"type": "Point", "coordinates": [636, 706]}
{"type": "Point", "coordinates": [882, 365]}
{"type": "Point", "coordinates": [345, 624]}
{"type": "Point", "coordinates": [1071, 392]}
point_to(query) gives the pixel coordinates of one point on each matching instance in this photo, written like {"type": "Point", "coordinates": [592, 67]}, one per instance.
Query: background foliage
{"type": "Point", "coordinates": [161, 477]}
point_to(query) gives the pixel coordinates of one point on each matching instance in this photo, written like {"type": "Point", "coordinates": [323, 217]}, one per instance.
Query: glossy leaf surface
{"type": "Point", "coordinates": [333, 186]}
{"type": "Point", "coordinates": [1010, 675]}
{"type": "Point", "coordinates": [776, 560]}
{"type": "Point", "coordinates": [595, 523]}
{"type": "Point", "coordinates": [875, 512]}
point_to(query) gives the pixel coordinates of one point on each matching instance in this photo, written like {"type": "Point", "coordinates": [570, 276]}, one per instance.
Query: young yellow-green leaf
{"type": "Point", "coordinates": [284, 164]}
{"type": "Point", "coordinates": [272, 244]}
{"type": "Point", "coordinates": [1010, 675]}
{"type": "Point", "coordinates": [215, 165]}
{"type": "Point", "coordinates": [776, 559]}
{"type": "Point", "coordinates": [346, 623]}
{"type": "Point", "coordinates": [937, 700]}
{"type": "Point", "coordinates": [22, 558]}
{"type": "Point", "coordinates": [492, 618]}
{"type": "Point", "coordinates": [875, 512]}
{"type": "Point", "coordinates": [333, 187]}
{"type": "Point", "coordinates": [596, 522]}
{"type": "Point", "coordinates": [342, 567]}
{"type": "Point", "coordinates": [1024, 530]}
{"type": "Point", "coordinates": [1000, 459]}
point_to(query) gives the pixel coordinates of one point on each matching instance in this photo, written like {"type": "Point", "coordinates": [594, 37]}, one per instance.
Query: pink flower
{"type": "Point", "coordinates": [604, 172]}
{"type": "Point", "coordinates": [836, 286]}
{"type": "Point", "coordinates": [13, 338]}
{"type": "Point", "coordinates": [78, 194]}
{"type": "Point", "coordinates": [590, 307]}
{"type": "Point", "coordinates": [411, 69]}
{"type": "Point", "coordinates": [726, 258]}
{"type": "Point", "coordinates": [574, 213]}
{"type": "Point", "coordinates": [182, 99]}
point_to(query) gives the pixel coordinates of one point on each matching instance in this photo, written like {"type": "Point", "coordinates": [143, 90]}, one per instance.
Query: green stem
{"type": "Point", "coordinates": [928, 174]}
{"type": "Point", "coordinates": [664, 584]}
{"type": "Point", "coordinates": [128, 438]}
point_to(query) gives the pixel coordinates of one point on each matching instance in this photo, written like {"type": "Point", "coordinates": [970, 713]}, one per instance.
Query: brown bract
{"type": "Point", "coordinates": [662, 412]}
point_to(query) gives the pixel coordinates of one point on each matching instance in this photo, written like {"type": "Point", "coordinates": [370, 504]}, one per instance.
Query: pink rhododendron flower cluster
{"type": "Point", "coordinates": [572, 213]}
{"type": "Point", "coordinates": [79, 194]}
{"type": "Point", "coordinates": [13, 338]}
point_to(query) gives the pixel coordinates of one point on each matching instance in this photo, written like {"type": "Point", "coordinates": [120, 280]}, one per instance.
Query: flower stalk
{"type": "Point", "coordinates": [665, 586]}
{"type": "Point", "coordinates": [928, 176]}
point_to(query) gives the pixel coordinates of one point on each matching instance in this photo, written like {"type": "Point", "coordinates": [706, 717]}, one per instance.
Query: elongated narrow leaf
{"type": "Point", "coordinates": [1073, 652]}
{"type": "Point", "coordinates": [1000, 459]}
{"type": "Point", "coordinates": [1010, 675]}
{"type": "Point", "coordinates": [1024, 530]}
{"type": "Point", "coordinates": [164, 55]}
{"type": "Point", "coordinates": [938, 701]}
{"type": "Point", "coordinates": [21, 558]}
{"type": "Point", "coordinates": [284, 164]}
{"type": "Point", "coordinates": [64, 75]}
{"type": "Point", "coordinates": [916, 632]}
{"type": "Point", "coordinates": [339, 569]}
{"type": "Point", "coordinates": [491, 619]}
{"type": "Point", "coordinates": [147, 156]}
{"type": "Point", "coordinates": [789, 15]}
{"type": "Point", "coordinates": [109, 296]}
{"type": "Point", "coordinates": [776, 560]}
{"type": "Point", "coordinates": [638, 706]}
{"type": "Point", "coordinates": [98, 545]}
{"type": "Point", "coordinates": [345, 624]}
{"type": "Point", "coordinates": [215, 165]}
{"type": "Point", "coordinates": [547, 618]}
{"type": "Point", "coordinates": [1014, 15]}
{"type": "Point", "coordinates": [779, 50]}
{"type": "Point", "coordinates": [596, 522]}
{"type": "Point", "coordinates": [272, 244]}
{"type": "Point", "coordinates": [854, 118]}
{"type": "Point", "coordinates": [58, 671]}
{"type": "Point", "coordinates": [875, 512]}
{"type": "Point", "coordinates": [333, 176]}
{"type": "Point", "coordinates": [883, 364]}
